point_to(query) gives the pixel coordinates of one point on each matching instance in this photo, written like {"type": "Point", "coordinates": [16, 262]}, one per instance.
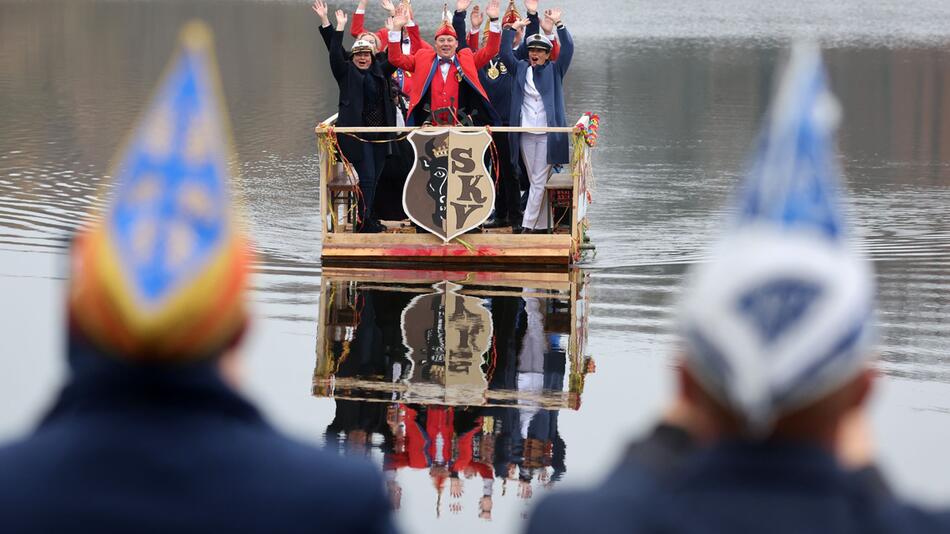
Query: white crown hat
{"type": "Point", "coordinates": [782, 314]}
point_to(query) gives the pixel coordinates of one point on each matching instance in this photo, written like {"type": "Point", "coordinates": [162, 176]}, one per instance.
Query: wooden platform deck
{"type": "Point", "coordinates": [551, 249]}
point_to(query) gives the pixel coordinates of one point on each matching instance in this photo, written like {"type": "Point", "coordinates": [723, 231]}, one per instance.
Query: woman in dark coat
{"type": "Point", "coordinates": [365, 100]}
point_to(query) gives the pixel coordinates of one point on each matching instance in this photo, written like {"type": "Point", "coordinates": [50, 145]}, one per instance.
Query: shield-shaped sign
{"type": "Point", "coordinates": [449, 190]}
{"type": "Point", "coordinates": [447, 334]}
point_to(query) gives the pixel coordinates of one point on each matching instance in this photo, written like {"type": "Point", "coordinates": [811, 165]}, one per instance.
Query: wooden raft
{"type": "Point", "coordinates": [341, 246]}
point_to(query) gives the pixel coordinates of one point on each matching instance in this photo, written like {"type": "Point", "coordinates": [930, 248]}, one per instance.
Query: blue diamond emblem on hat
{"type": "Point", "coordinates": [778, 305]}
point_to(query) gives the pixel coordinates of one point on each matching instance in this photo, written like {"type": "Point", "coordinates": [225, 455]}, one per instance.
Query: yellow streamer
{"type": "Point", "coordinates": [467, 246]}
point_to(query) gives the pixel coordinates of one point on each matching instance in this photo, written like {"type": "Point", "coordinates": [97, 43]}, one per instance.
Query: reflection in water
{"type": "Point", "coordinates": [460, 375]}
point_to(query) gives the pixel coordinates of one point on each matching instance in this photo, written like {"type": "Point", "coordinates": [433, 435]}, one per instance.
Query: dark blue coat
{"type": "Point", "coordinates": [548, 79]}
{"type": "Point", "coordinates": [738, 488]}
{"type": "Point", "coordinates": [132, 448]}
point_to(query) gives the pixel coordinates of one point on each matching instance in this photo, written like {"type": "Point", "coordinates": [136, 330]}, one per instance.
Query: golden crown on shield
{"type": "Point", "coordinates": [442, 150]}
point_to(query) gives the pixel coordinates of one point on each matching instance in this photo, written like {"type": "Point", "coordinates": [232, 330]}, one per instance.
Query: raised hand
{"type": "Point", "coordinates": [388, 24]}
{"type": "Point", "coordinates": [477, 17]}
{"type": "Point", "coordinates": [554, 14]}
{"type": "Point", "coordinates": [462, 5]}
{"type": "Point", "coordinates": [519, 24]}
{"type": "Point", "coordinates": [400, 19]}
{"type": "Point", "coordinates": [388, 6]}
{"type": "Point", "coordinates": [361, 5]}
{"type": "Point", "coordinates": [547, 25]}
{"type": "Point", "coordinates": [531, 6]}
{"type": "Point", "coordinates": [320, 8]}
{"type": "Point", "coordinates": [340, 20]}
{"type": "Point", "coordinates": [493, 9]}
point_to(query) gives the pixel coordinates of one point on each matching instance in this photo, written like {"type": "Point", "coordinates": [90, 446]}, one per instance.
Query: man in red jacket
{"type": "Point", "coordinates": [451, 90]}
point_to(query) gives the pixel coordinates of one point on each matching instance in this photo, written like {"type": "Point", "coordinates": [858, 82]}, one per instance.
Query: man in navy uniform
{"type": "Point", "coordinates": [769, 431]}
{"type": "Point", "coordinates": [149, 434]}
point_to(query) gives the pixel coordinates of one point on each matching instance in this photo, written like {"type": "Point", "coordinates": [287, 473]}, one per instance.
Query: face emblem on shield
{"type": "Point", "coordinates": [436, 163]}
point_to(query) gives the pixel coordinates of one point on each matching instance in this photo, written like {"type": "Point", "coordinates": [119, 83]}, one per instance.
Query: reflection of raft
{"type": "Point", "coordinates": [568, 195]}
{"type": "Point", "coordinates": [457, 336]}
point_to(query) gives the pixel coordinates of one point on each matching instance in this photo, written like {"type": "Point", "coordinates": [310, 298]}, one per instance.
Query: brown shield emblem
{"type": "Point", "coordinates": [447, 334]}
{"type": "Point", "coordinates": [449, 190]}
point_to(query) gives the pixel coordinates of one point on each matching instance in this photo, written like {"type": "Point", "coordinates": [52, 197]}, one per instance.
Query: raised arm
{"type": "Point", "coordinates": [458, 24]}
{"type": "Point", "coordinates": [326, 31]}
{"type": "Point", "coordinates": [476, 20]}
{"type": "Point", "coordinates": [337, 57]}
{"type": "Point", "coordinates": [505, 52]}
{"type": "Point", "coordinates": [490, 50]}
{"type": "Point", "coordinates": [547, 27]}
{"type": "Point", "coordinates": [534, 23]}
{"type": "Point", "coordinates": [358, 25]}
{"type": "Point", "coordinates": [396, 57]}
{"type": "Point", "coordinates": [567, 42]}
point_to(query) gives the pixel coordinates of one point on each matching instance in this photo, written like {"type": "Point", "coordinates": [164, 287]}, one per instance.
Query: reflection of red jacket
{"type": "Point", "coordinates": [465, 451]}
{"type": "Point", "coordinates": [440, 430]}
{"type": "Point", "coordinates": [423, 65]}
{"type": "Point", "coordinates": [414, 454]}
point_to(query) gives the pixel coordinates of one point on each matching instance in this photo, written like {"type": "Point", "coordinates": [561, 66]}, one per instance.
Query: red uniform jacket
{"type": "Point", "coordinates": [423, 66]}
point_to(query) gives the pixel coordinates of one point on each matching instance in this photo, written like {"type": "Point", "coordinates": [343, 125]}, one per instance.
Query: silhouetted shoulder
{"type": "Point", "coordinates": [199, 475]}
{"type": "Point", "coordinates": [604, 508]}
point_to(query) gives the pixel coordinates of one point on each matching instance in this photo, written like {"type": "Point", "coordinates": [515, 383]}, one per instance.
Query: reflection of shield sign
{"type": "Point", "coordinates": [449, 190]}
{"type": "Point", "coordinates": [447, 335]}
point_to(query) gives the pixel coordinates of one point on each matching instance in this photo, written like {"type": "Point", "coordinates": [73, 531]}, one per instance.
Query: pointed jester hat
{"type": "Point", "coordinates": [161, 275]}
{"type": "Point", "coordinates": [445, 28]}
{"type": "Point", "coordinates": [782, 314]}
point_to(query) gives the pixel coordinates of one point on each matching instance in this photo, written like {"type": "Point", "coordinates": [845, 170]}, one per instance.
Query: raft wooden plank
{"type": "Point", "coordinates": [552, 249]}
{"type": "Point", "coordinates": [425, 393]}
{"type": "Point", "coordinates": [559, 280]}
{"type": "Point", "coordinates": [426, 239]}
{"type": "Point", "coordinates": [322, 129]}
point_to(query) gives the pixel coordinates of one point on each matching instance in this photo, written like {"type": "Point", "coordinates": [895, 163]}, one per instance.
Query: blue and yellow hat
{"type": "Point", "coordinates": [162, 275]}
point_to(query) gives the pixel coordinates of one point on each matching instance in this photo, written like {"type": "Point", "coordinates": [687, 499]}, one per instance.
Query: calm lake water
{"type": "Point", "coordinates": [681, 87]}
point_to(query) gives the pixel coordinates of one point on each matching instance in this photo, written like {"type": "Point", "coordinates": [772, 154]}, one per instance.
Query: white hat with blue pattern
{"type": "Point", "coordinates": [782, 314]}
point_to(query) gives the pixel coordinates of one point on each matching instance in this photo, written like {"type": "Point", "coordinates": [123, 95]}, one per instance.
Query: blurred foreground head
{"type": "Point", "coordinates": [781, 315]}
{"type": "Point", "coordinates": [161, 276]}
